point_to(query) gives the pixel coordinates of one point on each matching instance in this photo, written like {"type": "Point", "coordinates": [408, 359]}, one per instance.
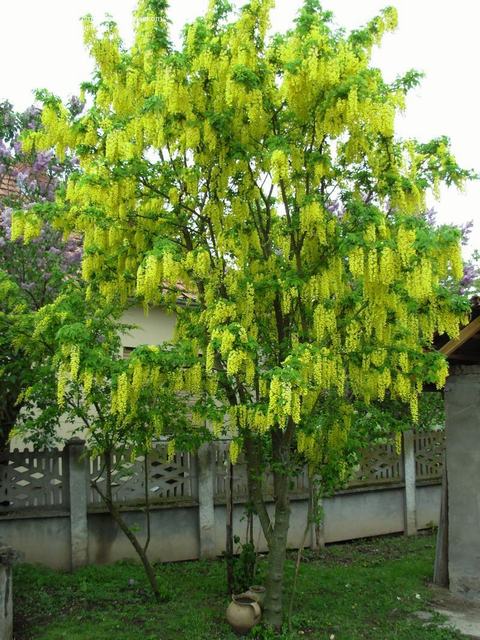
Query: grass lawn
{"type": "Point", "coordinates": [366, 589]}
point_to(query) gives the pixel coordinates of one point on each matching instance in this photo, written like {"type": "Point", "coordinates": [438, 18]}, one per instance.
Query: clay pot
{"type": "Point", "coordinates": [258, 593]}
{"type": "Point", "coordinates": [243, 613]}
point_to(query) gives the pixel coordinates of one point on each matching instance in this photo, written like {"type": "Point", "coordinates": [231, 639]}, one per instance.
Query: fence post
{"type": "Point", "coordinates": [77, 485]}
{"type": "Point", "coordinates": [410, 483]}
{"type": "Point", "coordinates": [206, 507]}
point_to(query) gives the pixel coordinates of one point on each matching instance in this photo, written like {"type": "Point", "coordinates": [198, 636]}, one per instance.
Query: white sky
{"type": "Point", "coordinates": [41, 46]}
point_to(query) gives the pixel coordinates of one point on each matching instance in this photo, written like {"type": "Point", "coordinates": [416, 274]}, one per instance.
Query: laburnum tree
{"type": "Point", "coordinates": [34, 268]}
{"type": "Point", "coordinates": [263, 175]}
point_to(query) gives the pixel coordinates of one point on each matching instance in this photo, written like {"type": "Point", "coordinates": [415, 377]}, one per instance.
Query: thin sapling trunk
{"type": "Point", "coordinates": [117, 516]}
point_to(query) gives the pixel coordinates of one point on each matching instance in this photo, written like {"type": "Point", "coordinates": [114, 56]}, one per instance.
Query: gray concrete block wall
{"type": "Point", "coordinates": [363, 514]}
{"type": "Point", "coordinates": [176, 530]}
{"type": "Point", "coordinates": [428, 505]}
{"type": "Point", "coordinates": [462, 395]}
{"type": "Point", "coordinates": [43, 540]}
{"type": "Point", "coordinates": [174, 536]}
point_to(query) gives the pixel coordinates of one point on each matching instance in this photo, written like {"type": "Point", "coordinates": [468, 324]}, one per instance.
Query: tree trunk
{"type": "Point", "coordinates": [117, 516]}
{"type": "Point", "coordinates": [273, 609]}
{"type": "Point", "coordinates": [254, 477]}
{"type": "Point", "coordinates": [276, 534]}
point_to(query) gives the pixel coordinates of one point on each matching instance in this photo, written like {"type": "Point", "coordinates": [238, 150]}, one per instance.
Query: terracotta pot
{"type": "Point", "coordinates": [258, 593]}
{"type": "Point", "coordinates": [243, 613]}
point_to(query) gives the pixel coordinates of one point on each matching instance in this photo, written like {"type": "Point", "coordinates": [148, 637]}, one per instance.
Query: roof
{"type": "Point", "coordinates": [8, 185]}
{"type": "Point", "coordinates": [465, 349]}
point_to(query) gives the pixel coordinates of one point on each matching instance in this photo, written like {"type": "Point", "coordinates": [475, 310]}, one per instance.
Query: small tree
{"type": "Point", "coordinates": [77, 344]}
{"type": "Point", "coordinates": [262, 174]}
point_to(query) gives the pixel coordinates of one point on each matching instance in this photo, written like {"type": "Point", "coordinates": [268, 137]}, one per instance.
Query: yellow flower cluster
{"type": "Point", "coordinates": [62, 380]}
{"type": "Point", "coordinates": [309, 446]}
{"type": "Point", "coordinates": [312, 222]}
{"type": "Point", "coordinates": [419, 282]}
{"type": "Point", "coordinates": [87, 381]}
{"type": "Point", "coordinates": [192, 379]}
{"type": "Point", "coordinates": [405, 244]}
{"type": "Point", "coordinates": [120, 396]}
{"type": "Point", "coordinates": [324, 323]}
{"type": "Point", "coordinates": [24, 225]}
{"type": "Point", "coordinates": [398, 443]}
{"type": "Point", "coordinates": [388, 266]}
{"type": "Point", "coordinates": [234, 451]}
{"type": "Point", "coordinates": [279, 162]}
{"type": "Point", "coordinates": [356, 262]}
{"type": "Point", "coordinates": [74, 361]}
{"type": "Point", "coordinates": [149, 278]}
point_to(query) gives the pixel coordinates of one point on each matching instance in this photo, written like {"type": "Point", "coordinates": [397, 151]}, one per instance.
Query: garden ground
{"type": "Point", "coordinates": [366, 589]}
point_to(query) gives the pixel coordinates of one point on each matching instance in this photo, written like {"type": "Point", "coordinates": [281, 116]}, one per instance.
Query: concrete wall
{"type": "Point", "coordinates": [154, 328]}
{"type": "Point", "coordinates": [43, 540]}
{"type": "Point", "coordinates": [362, 514]}
{"type": "Point", "coordinates": [175, 530]}
{"type": "Point", "coordinates": [174, 536]}
{"type": "Point", "coordinates": [462, 393]}
{"type": "Point", "coordinates": [428, 505]}
{"type": "Point", "coordinates": [49, 514]}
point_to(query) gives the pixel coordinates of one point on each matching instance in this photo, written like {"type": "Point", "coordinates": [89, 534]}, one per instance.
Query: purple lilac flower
{"type": "Point", "coordinates": [6, 221]}
{"type": "Point", "coordinates": [42, 160]}
{"type": "Point", "coordinates": [4, 151]}
{"type": "Point", "coordinates": [431, 216]}
{"type": "Point", "coordinates": [466, 229]}
{"type": "Point", "coordinates": [21, 178]}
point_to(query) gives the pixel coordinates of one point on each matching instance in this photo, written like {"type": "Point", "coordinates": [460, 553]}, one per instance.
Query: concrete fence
{"type": "Point", "coordinates": [51, 513]}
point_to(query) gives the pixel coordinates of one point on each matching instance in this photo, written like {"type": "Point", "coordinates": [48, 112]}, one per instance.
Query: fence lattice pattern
{"type": "Point", "coordinates": [379, 465]}
{"type": "Point", "coordinates": [40, 479]}
{"type": "Point", "coordinates": [32, 479]}
{"type": "Point", "coordinates": [429, 455]}
{"type": "Point", "coordinates": [167, 480]}
{"type": "Point", "coordinates": [240, 487]}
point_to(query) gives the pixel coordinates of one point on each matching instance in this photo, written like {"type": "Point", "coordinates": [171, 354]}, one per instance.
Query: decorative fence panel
{"type": "Point", "coordinates": [39, 479]}
{"type": "Point", "coordinates": [33, 479]}
{"type": "Point", "coordinates": [379, 465]}
{"type": "Point", "coordinates": [429, 455]}
{"type": "Point", "coordinates": [221, 460]}
{"type": "Point", "coordinates": [298, 487]}
{"type": "Point", "coordinates": [166, 480]}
